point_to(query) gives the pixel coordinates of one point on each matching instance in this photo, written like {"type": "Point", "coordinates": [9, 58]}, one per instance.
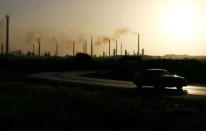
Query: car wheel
{"type": "Point", "coordinates": [139, 86]}
{"type": "Point", "coordinates": [159, 87]}
{"type": "Point", "coordinates": [179, 87]}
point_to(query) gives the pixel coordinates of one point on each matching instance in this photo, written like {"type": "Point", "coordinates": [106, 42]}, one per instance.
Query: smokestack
{"type": "Point", "coordinates": [83, 48]}
{"type": "Point", "coordinates": [92, 46]}
{"type": "Point", "coordinates": [125, 52]}
{"type": "Point", "coordinates": [114, 52]}
{"type": "Point", "coordinates": [116, 48]}
{"type": "Point", "coordinates": [134, 52]}
{"type": "Point", "coordinates": [138, 52]}
{"type": "Point", "coordinates": [109, 48]}
{"type": "Point", "coordinates": [86, 47]}
{"type": "Point", "coordinates": [57, 49]}
{"type": "Point", "coordinates": [143, 52]}
{"type": "Point", "coordinates": [2, 49]}
{"type": "Point", "coordinates": [104, 54]}
{"type": "Point", "coordinates": [121, 48]}
{"type": "Point", "coordinates": [73, 48]}
{"type": "Point", "coordinates": [33, 50]}
{"type": "Point", "coordinates": [7, 34]}
{"type": "Point", "coordinates": [39, 42]}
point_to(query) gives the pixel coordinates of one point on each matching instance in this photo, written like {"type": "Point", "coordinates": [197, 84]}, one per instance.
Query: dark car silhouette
{"type": "Point", "coordinates": [159, 78]}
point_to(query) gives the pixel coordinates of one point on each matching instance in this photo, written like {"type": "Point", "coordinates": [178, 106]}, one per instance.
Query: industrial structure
{"type": "Point", "coordinates": [92, 50]}
{"type": "Point", "coordinates": [74, 49]}
{"type": "Point", "coordinates": [109, 48]}
{"type": "Point", "coordinates": [116, 47]}
{"type": "Point", "coordinates": [85, 47]}
{"type": "Point", "coordinates": [138, 46]}
{"type": "Point", "coordinates": [39, 50]}
{"type": "Point", "coordinates": [143, 53]}
{"type": "Point", "coordinates": [7, 34]}
{"type": "Point", "coordinates": [2, 49]}
{"type": "Point", "coordinates": [57, 49]}
{"type": "Point", "coordinates": [33, 50]}
{"type": "Point", "coordinates": [121, 48]}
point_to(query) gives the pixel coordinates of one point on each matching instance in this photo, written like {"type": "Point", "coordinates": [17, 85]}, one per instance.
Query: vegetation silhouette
{"type": "Point", "coordinates": [43, 105]}
{"type": "Point", "coordinates": [83, 61]}
{"type": "Point", "coordinates": [121, 68]}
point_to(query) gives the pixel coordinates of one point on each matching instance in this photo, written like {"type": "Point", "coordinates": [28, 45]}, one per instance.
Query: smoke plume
{"type": "Point", "coordinates": [115, 36]}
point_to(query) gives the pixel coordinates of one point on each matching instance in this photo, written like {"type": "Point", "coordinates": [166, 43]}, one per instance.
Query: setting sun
{"type": "Point", "coordinates": [182, 20]}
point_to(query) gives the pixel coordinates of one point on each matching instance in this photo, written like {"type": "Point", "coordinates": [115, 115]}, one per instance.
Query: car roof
{"type": "Point", "coordinates": [156, 70]}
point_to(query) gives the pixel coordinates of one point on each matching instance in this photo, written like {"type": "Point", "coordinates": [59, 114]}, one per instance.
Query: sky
{"type": "Point", "coordinates": [165, 26]}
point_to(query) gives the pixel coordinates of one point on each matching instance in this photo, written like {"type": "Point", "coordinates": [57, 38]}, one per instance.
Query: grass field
{"type": "Point", "coordinates": [38, 107]}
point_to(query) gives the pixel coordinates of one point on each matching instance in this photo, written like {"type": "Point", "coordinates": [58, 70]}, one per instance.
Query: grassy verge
{"type": "Point", "coordinates": [40, 107]}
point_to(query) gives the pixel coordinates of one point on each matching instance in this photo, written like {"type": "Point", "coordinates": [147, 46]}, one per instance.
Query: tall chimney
{"type": "Point", "coordinates": [121, 48]}
{"type": "Point", "coordinates": [86, 47]}
{"type": "Point", "coordinates": [57, 49]}
{"type": "Point", "coordinates": [73, 48]}
{"type": "Point", "coordinates": [39, 42]}
{"type": "Point", "coordinates": [7, 34]}
{"type": "Point", "coordinates": [33, 52]}
{"type": "Point", "coordinates": [125, 52]}
{"type": "Point", "coordinates": [143, 52]}
{"type": "Point", "coordinates": [92, 46]}
{"type": "Point", "coordinates": [109, 48]}
{"type": "Point", "coordinates": [2, 49]}
{"type": "Point", "coordinates": [114, 52]}
{"type": "Point", "coordinates": [83, 48]}
{"type": "Point", "coordinates": [138, 52]}
{"type": "Point", "coordinates": [104, 54]}
{"type": "Point", "coordinates": [116, 48]}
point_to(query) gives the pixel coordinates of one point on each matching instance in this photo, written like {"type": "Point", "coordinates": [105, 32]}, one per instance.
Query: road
{"type": "Point", "coordinates": [78, 79]}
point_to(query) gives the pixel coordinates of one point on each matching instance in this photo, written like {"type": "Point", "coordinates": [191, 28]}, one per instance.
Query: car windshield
{"type": "Point", "coordinates": [156, 72]}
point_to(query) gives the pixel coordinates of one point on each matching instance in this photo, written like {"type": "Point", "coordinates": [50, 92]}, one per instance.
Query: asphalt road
{"type": "Point", "coordinates": [77, 79]}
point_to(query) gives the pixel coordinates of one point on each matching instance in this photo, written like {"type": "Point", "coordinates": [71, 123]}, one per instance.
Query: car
{"type": "Point", "coordinates": [159, 78]}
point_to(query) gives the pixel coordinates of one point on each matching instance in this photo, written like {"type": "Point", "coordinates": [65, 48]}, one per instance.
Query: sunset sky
{"type": "Point", "coordinates": [165, 26]}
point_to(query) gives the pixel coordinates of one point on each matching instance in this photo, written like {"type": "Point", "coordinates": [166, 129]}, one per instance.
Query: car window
{"type": "Point", "coordinates": [153, 73]}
